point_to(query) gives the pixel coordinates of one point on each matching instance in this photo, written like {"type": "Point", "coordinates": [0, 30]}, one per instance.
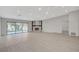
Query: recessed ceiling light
{"type": "Point", "coordinates": [39, 9]}
{"type": "Point", "coordinates": [18, 12]}
{"type": "Point", "coordinates": [47, 13]}
{"type": "Point", "coordinates": [66, 11]}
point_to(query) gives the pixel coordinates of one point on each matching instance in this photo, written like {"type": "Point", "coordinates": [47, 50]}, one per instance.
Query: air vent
{"type": "Point", "coordinates": [73, 34]}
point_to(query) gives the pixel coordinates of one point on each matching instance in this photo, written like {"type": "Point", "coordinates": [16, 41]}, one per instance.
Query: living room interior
{"type": "Point", "coordinates": [39, 28]}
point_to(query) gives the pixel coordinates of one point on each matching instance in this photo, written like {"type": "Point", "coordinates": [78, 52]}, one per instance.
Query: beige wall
{"type": "Point", "coordinates": [69, 23]}
{"type": "Point", "coordinates": [0, 26]}
{"type": "Point", "coordinates": [74, 23]}
{"type": "Point", "coordinates": [56, 25]}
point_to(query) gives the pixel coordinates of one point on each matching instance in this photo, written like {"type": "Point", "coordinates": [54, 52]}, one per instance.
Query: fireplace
{"type": "Point", "coordinates": [36, 26]}
{"type": "Point", "coordinates": [36, 29]}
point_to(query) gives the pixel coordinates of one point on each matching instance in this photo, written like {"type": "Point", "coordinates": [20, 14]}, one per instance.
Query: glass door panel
{"type": "Point", "coordinates": [10, 28]}
{"type": "Point", "coordinates": [25, 27]}
{"type": "Point", "coordinates": [13, 28]}
{"type": "Point", "coordinates": [18, 27]}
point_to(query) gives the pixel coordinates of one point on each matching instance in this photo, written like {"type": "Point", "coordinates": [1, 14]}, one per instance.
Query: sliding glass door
{"type": "Point", "coordinates": [25, 27]}
{"type": "Point", "coordinates": [13, 28]}
{"type": "Point", "coordinates": [10, 28]}
{"type": "Point", "coordinates": [19, 27]}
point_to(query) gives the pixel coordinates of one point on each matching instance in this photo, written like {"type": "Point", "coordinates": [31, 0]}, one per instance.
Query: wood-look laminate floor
{"type": "Point", "coordinates": [39, 42]}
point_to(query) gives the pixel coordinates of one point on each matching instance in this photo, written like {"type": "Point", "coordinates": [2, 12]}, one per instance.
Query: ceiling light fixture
{"type": "Point", "coordinates": [66, 11]}
{"type": "Point", "coordinates": [39, 9]}
{"type": "Point", "coordinates": [18, 12]}
{"type": "Point", "coordinates": [47, 13]}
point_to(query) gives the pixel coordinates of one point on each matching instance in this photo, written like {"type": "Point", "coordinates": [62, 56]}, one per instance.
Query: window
{"type": "Point", "coordinates": [13, 28]}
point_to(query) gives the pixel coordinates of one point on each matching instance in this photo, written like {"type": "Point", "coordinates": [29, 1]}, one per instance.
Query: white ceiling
{"type": "Point", "coordinates": [35, 12]}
